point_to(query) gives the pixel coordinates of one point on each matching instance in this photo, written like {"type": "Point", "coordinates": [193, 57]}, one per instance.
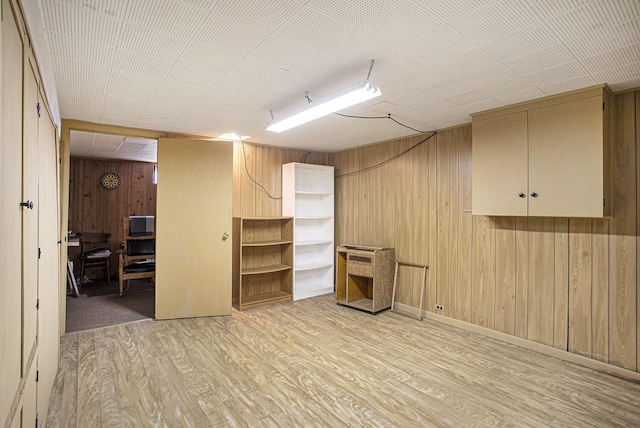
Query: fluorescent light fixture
{"type": "Point", "coordinates": [232, 137]}
{"type": "Point", "coordinates": [351, 96]}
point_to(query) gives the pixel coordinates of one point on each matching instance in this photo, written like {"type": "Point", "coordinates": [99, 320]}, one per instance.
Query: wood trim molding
{"type": "Point", "coordinates": [527, 344]}
{"type": "Point", "coordinates": [79, 125]}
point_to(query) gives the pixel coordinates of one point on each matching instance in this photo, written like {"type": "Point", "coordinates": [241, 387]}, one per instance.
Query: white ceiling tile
{"type": "Point", "coordinates": [81, 23]}
{"type": "Point", "coordinates": [90, 87]}
{"type": "Point", "coordinates": [507, 87]}
{"type": "Point", "coordinates": [79, 101]}
{"type": "Point", "coordinates": [171, 17]}
{"type": "Point", "coordinates": [607, 39]}
{"type": "Point", "coordinates": [119, 119]}
{"type": "Point", "coordinates": [229, 36]}
{"type": "Point", "coordinates": [125, 93]}
{"type": "Point", "coordinates": [83, 137]}
{"type": "Point", "coordinates": [181, 90]}
{"type": "Point", "coordinates": [110, 8]}
{"type": "Point", "coordinates": [452, 10]}
{"type": "Point", "coordinates": [530, 39]}
{"type": "Point", "coordinates": [203, 57]}
{"type": "Point", "coordinates": [496, 74]}
{"type": "Point", "coordinates": [204, 4]}
{"type": "Point", "coordinates": [439, 44]}
{"type": "Point", "coordinates": [147, 142]}
{"type": "Point", "coordinates": [530, 93]}
{"type": "Point", "coordinates": [80, 70]}
{"type": "Point", "coordinates": [353, 12]}
{"type": "Point", "coordinates": [167, 104]}
{"type": "Point", "coordinates": [497, 20]}
{"type": "Point", "coordinates": [80, 115]}
{"type": "Point", "coordinates": [139, 82]}
{"type": "Point", "coordinates": [281, 54]}
{"type": "Point", "coordinates": [394, 64]}
{"type": "Point", "coordinates": [205, 78]}
{"type": "Point", "coordinates": [413, 79]}
{"type": "Point", "coordinates": [622, 56]}
{"type": "Point", "coordinates": [568, 85]}
{"type": "Point", "coordinates": [466, 98]}
{"type": "Point", "coordinates": [141, 64]}
{"type": "Point", "coordinates": [109, 139]}
{"type": "Point", "coordinates": [625, 77]}
{"type": "Point", "coordinates": [548, 8]}
{"type": "Point", "coordinates": [151, 43]}
{"type": "Point", "coordinates": [311, 30]}
{"type": "Point", "coordinates": [122, 108]}
{"type": "Point", "coordinates": [263, 15]}
{"type": "Point", "coordinates": [258, 73]}
{"type": "Point", "coordinates": [359, 48]}
{"type": "Point", "coordinates": [562, 72]}
{"type": "Point", "coordinates": [392, 28]}
{"type": "Point", "coordinates": [540, 60]}
{"type": "Point", "coordinates": [593, 16]}
{"type": "Point", "coordinates": [80, 50]}
{"type": "Point", "coordinates": [466, 62]}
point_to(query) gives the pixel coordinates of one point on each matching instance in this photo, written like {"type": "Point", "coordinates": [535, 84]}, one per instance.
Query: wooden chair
{"type": "Point", "coordinates": [137, 258]}
{"type": "Point", "coordinates": [94, 257]}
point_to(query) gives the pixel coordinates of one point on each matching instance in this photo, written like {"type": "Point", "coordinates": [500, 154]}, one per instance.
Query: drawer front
{"type": "Point", "coordinates": [360, 266]}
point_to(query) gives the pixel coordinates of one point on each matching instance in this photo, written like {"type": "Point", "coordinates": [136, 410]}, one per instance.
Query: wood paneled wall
{"type": "Point", "coordinates": [95, 209]}
{"type": "Point", "coordinates": [567, 283]}
{"type": "Point", "coordinates": [264, 165]}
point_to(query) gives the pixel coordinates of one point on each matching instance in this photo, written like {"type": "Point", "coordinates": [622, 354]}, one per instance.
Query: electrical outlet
{"type": "Point", "coordinates": [439, 308]}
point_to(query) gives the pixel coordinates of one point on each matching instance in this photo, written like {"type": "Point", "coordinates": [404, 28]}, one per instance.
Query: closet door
{"type": "Point", "coordinates": [49, 264]}
{"type": "Point", "coordinates": [10, 211]}
{"type": "Point", "coordinates": [193, 228]}
{"type": "Point", "coordinates": [29, 213]}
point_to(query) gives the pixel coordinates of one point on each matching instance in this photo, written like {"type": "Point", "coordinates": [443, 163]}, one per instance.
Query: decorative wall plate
{"type": "Point", "coordinates": [110, 180]}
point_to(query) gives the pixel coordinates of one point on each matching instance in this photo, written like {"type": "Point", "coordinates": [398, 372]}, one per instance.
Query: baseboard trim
{"type": "Point", "coordinates": [528, 344]}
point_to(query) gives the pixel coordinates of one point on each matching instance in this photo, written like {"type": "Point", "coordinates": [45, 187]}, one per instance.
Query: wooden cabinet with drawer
{"type": "Point", "coordinates": [364, 277]}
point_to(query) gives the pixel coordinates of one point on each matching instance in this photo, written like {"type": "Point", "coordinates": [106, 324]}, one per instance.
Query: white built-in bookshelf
{"type": "Point", "coordinates": [308, 196]}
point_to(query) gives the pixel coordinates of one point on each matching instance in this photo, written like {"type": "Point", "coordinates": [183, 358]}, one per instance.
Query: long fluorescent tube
{"type": "Point", "coordinates": [353, 95]}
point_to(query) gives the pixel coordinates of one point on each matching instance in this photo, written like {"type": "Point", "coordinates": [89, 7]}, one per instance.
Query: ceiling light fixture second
{"type": "Point", "coordinates": [353, 95]}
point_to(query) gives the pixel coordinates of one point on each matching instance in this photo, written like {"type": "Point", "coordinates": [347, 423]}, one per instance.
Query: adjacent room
{"type": "Point", "coordinates": [320, 213]}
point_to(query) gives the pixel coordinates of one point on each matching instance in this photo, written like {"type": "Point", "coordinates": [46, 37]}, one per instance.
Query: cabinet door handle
{"type": "Point", "coordinates": [534, 195]}
{"type": "Point", "coordinates": [28, 204]}
{"type": "Point", "coordinates": [225, 236]}
{"type": "Point", "coordinates": [522, 195]}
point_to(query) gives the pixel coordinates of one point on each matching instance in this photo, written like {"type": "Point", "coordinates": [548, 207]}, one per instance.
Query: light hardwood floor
{"type": "Point", "coordinates": [313, 363]}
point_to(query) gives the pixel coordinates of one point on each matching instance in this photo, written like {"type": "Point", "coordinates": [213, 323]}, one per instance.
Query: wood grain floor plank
{"type": "Point", "coordinates": [312, 363]}
{"type": "Point", "coordinates": [88, 411]}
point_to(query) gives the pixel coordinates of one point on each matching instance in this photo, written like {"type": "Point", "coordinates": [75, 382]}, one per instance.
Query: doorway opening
{"type": "Point", "coordinates": [97, 206]}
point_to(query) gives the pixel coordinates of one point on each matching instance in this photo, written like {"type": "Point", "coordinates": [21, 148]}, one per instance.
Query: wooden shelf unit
{"type": "Point", "coordinates": [364, 277]}
{"type": "Point", "coordinates": [308, 196]}
{"type": "Point", "coordinates": [262, 261]}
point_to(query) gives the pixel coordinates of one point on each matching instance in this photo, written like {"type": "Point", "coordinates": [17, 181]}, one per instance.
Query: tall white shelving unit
{"type": "Point", "coordinates": [308, 196]}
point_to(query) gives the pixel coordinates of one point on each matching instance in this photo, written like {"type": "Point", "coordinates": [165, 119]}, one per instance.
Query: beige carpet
{"type": "Point", "coordinates": [100, 305]}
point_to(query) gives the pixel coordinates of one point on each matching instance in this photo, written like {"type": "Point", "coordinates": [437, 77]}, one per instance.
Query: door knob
{"type": "Point", "coordinates": [522, 195]}
{"type": "Point", "coordinates": [28, 204]}
{"type": "Point", "coordinates": [225, 236]}
{"type": "Point", "coordinates": [534, 195]}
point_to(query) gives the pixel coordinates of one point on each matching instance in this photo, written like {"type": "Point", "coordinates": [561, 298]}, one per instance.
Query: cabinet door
{"type": "Point", "coordinates": [500, 165]}
{"type": "Point", "coordinates": [566, 159]}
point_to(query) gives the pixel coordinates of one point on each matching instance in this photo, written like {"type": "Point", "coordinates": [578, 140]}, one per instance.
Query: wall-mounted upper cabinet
{"type": "Point", "coordinates": [547, 158]}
